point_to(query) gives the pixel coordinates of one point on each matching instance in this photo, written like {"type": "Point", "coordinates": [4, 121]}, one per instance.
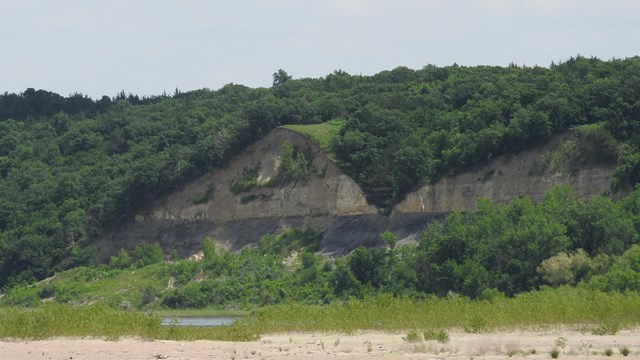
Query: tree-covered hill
{"type": "Point", "coordinates": [73, 168]}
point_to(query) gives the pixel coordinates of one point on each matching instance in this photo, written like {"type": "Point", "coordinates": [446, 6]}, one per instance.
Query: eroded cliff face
{"type": "Point", "coordinates": [325, 191]}
{"type": "Point", "coordinates": [214, 206]}
{"type": "Point", "coordinates": [506, 178]}
{"type": "Point", "coordinates": [219, 206]}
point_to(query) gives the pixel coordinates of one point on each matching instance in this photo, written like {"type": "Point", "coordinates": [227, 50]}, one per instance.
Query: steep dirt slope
{"type": "Point", "coordinates": [508, 177]}
{"type": "Point", "coordinates": [329, 201]}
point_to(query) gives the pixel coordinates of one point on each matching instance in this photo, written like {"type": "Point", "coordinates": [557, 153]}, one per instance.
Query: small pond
{"type": "Point", "coordinates": [198, 321]}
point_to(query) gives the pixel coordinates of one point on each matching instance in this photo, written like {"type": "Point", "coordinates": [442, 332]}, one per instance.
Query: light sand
{"type": "Point", "coordinates": [501, 345]}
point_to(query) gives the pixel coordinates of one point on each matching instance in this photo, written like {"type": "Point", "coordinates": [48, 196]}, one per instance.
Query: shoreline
{"type": "Point", "coordinates": [523, 343]}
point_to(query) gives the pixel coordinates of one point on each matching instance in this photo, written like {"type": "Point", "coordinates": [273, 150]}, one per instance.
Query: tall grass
{"type": "Point", "coordinates": [55, 320]}
{"type": "Point", "coordinates": [566, 306]}
{"type": "Point", "coordinates": [62, 320]}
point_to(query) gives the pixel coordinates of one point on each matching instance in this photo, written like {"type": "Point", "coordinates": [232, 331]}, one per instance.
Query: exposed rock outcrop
{"type": "Point", "coordinates": [237, 204]}
{"type": "Point", "coordinates": [506, 178]}
{"type": "Point", "coordinates": [209, 206]}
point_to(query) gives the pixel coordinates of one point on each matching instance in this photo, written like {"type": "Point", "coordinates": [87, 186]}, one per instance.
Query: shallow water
{"type": "Point", "coordinates": [197, 321]}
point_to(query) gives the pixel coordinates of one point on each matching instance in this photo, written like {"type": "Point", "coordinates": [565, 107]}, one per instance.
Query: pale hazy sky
{"type": "Point", "coordinates": [148, 46]}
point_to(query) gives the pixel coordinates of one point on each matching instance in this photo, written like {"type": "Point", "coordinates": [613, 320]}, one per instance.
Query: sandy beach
{"type": "Point", "coordinates": [499, 345]}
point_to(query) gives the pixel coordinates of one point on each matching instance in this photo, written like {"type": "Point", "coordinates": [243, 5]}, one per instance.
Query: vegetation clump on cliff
{"type": "Point", "coordinates": [293, 166]}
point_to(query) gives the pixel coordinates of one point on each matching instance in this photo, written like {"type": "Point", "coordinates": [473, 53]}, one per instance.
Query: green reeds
{"type": "Point", "coordinates": [62, 320]}
{"type": "Point", "coordinates": [562, 306]}
{"type": "Point", "coordinates": [567, 306]}
{"type": "Point", "coordinates": [55, 320]}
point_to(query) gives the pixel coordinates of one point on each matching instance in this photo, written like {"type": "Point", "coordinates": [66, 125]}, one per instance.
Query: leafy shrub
{"type": "Point", "coordinates": [439, 335]}
{"type": "Point", "coordinates": [606, 328]}
{"type": "Point", "coordinates": [622, 275]}
{"type": "Point", "coordinates": [204, 197]}
{"type": "Point", "coordinates": [413, 336]}
{"type": "Point", "coordinates": [208, 249]}
{"type": "Point", "coordinates": [189, 296]}
{"type": "Point", "coordinates": [148, 294]}
{"type": "Point", "coordinates": [122, 261]}
{"type": "Point", "coordinates": [248, 179]}
{"type": "Point", "coordinates": [567, 158]}
{"type": "Point", "coordinates": [564, 268]}
{"type": "Point", "coordinates": [147, 254]}
{"type": "Point", "coordinates": [627, 173]}
{"type": "Point", "coordinates": [624, 351]}
{"type": "Point", "coordinates": [597, 143]}
{"type": "Point", "coordinates": [183, 271]}
{"type": "Point", "coordinates": [594, 144]}
{"type": "Point", "coordinates": [492, 295]}
{"type": "Point", "coordinates": [48, 290]}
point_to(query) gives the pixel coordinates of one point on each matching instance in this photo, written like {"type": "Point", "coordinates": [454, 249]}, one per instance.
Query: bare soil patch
{"type": "Point", "coordinates": [519, 344]}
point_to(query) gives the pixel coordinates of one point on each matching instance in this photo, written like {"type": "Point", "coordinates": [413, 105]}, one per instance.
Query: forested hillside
{"type": "Point", "coordinates": [72, 168]}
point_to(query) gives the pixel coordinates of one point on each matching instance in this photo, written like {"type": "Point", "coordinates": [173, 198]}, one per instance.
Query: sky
{"type": "Point", "coordinates": [147, 47]}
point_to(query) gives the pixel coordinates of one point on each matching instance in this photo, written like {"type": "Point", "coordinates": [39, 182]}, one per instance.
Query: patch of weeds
{"type": "Point", "coordinates": [561, 342]}
{"type": "Point", "coordinates": [439, 335]}
{"type": "Point", "coordinates": [565, 159]}
{"type": "Point", "coordinates": [369, 346]}
{"type": "Point", "coordinates": [513, 352]}
{"type": "Point", "coordinates": [555, 353]}
{"type": "Point", "coordinates": [608, 352]}
{"type": "Point", "coordinates": [519, 352]}
{"type": "Point", "coordinates": [337, 342]}
{"type": "Point", "coordinates": [624, 351]}
{"type": "Point", "coordinates": [412, 336]}
{"type": "Point", "coordinates": [204, 197]}
{"type": "Point", "coordinates": [606, 328]}
{"type": "Point", "coordinates": [248, 179]}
